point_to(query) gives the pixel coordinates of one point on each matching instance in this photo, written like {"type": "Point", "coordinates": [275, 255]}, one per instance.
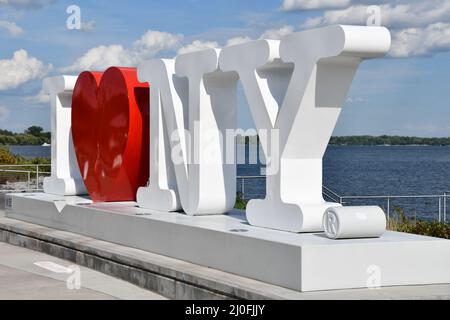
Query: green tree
{"type": "Point", "coordinates": [34, 131]}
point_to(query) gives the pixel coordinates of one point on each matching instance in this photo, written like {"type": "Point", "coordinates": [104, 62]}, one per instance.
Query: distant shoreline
{"type": "Point", "coordinates": [33, 136]}
{"type": "Point", "coordinates": [386, 145]}
{"type": "Point", "coordinates": [386, 141]}
{"type": "Point", "coordinates": [375, 145]}
{"type": "Point", "coordinates": [389, 141]}
{"type": "Point", "coordinates": [375, 141]}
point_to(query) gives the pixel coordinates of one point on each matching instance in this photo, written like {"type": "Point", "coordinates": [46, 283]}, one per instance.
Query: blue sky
{"type": "Point", "coordinates": [406, 93]}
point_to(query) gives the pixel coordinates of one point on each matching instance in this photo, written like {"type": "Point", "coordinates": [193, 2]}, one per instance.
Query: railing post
{"type": "Point", "coordinates": [388, 209]}
{"type": "Point", "coordinates": [37, 177]}
{"type": "Point", "coordinates": [242, 188]}
{"type": "Point", "coordinates": [445, 206]}
{"type": "Point", "coordinates": [29, 180]}
{"type": "Point", "coordinates": [440, 209]}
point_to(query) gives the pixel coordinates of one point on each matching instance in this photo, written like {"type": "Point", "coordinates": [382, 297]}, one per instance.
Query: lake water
{"type": "Point", "coordinates": [380, 171]}
{"type": "Point", "coordinates": [31, 151]}
{"type": "Point", "coordinates": [362, 170]}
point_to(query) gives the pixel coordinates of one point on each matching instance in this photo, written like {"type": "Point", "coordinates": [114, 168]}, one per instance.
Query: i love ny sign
{"type": "Point", "coordinates": [158, 134]}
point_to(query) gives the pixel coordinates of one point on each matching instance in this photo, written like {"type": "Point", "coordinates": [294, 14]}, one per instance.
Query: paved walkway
{"type": "Point", "coordinates": [27, 274]}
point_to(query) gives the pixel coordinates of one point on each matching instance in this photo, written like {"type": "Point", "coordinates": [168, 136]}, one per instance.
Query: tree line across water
{"type": "Point", "coordinates": [389, 140]}
{"type": "Point", "coordinates": [34, 135]}
{"type": "Point", "coordinates": [372, 141]}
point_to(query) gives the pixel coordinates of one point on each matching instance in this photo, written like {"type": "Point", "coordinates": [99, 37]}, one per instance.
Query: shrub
{"type": "Point", "coordinates": [6, 157]}
{"type": "Point", "coordinates": [240, 203]}
{"type": "Point", "coordinates": [401, 223]}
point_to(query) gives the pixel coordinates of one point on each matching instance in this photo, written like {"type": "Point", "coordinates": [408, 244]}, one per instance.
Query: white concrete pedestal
{"type": "Point", "coordinates": [303, 262]}
{"type": "Point", "coordinates": [63, 187]}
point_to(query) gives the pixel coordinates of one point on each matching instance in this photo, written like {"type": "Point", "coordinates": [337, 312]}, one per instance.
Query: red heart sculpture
{"type": "Point", "coordinates": [110, 131]}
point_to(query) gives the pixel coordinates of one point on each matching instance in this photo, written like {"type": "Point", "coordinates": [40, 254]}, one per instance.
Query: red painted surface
{"type": "Point", "coordinates": [110, 130]}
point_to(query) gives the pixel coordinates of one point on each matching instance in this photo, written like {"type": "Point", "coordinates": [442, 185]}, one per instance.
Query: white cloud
{"type": "Point", "coordinates": [40, 98]}
{"type": "Point", "coordinates": [356, 99]}
{"type": "Point", "coordinates": [352, 15]}
{"type": "Point", "coordinates": [197, 45]}
{"type": "Point", "coordinates": [413, 42]}
{"type": "Point", "coordinates": [25, 4]}
{"type": "Point", "coordinates": [150, 45]}
{"type": "Point", "coordinates": [295, 5]}
{"type": "Point", "coordinates": [419, 28]}
{"type": "Point", "coordinates": [153, 42]}
{"type": "Point", "coordinates": [20, 69]}
{"type": "Point", "coordinates": [302, 5]}
{"type": "Point", "coordinates": [277, 34]}
{"type": "Point", "coordinates": [4, 114]}
{"type": "Point", "coordinates": [415, 14]}
{"type": "Point", "coordinates": [102, 57]}
{"type": "Point", "coordinates": [12, 28]}
{"type": "Point", "coordinates": [88, 26]}
{"type": "Point", "coordinates": [238, 40]}
{"type": "Point", "coordinates": [402, 15]}
{"type": "Point", "coordinates": [274, 34]}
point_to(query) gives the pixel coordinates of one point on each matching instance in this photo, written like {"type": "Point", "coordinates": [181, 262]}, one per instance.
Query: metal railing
{"type": "Point", "coordinates": [386, 202]}
{"type": "Point", "coordinates": [23, 177]}
{"type": "Point", "coordinates": [439, 200]}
